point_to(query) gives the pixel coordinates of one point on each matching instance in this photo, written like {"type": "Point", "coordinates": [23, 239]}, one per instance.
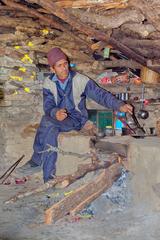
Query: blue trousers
{"type": "Point", "coordinates": [47, 134]}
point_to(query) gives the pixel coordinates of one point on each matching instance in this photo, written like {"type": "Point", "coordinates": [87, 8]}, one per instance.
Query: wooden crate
{"type": "Point", "coordinates": [150, 77]}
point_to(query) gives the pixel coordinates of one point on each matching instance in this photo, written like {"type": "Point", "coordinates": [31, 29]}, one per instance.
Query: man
{"type": "Point", "coordinates": [64, 98]}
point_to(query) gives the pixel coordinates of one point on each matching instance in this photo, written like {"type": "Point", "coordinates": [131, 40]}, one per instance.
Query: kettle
{"type": "Point", "coordinates": [143, 114]}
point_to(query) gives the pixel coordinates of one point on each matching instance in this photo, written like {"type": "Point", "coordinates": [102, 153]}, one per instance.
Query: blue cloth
{"type": "Point", "coordinates": [50, 128]}
{"type": "Point", "coordinates": [62, 84]}
{"type": "Point", "coordinates": [47, 134]}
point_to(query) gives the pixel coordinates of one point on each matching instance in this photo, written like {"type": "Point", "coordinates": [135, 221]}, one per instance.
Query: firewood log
{"type": "Point", "coordinates": [6, 21]}
{"type": "Point", "coordinates": [12, 37]}
{"type": "Point", "coordinates": [127, 51]}
{"type": "Point", "coordinates": [87, 3]}
{"type": "Point", "coordinates": [108, 22]}
{"type": "Point", "coordinates": [140, 30]}
{"type": "Point", "coordinates": [83, 195]}
{"type": "Point", "coordinates": [122, 63]}
{"type": "Point", "coordinates": [148, 52]}
{"type": "Point", "coordinates": [139, 43]}
{"type": "Point", "coordinates": [154, 35]}
{"type": "Point", "coordinates": [150, 9]}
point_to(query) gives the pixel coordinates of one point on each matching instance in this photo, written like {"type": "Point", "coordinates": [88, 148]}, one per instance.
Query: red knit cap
{"type": "Point", "coordinates": [54, 55]}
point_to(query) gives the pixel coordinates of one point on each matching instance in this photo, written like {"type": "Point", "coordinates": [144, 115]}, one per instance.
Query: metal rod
{"type": "Point", "coordinates": [11, 169]}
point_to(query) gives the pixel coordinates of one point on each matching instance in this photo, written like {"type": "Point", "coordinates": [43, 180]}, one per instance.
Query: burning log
{"type": "Point", "coordinates": [84, 195]}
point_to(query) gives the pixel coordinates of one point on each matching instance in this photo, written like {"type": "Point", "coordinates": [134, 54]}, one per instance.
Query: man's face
{"type": "Point", "coordinates": [61, 69]}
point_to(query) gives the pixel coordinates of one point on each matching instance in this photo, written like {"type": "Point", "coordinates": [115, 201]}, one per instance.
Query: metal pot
{"type": "Point", "coordinates": [143, 114]}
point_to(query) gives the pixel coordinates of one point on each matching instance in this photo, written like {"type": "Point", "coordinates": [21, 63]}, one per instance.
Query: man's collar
{"type": "Point", "coordinates": [54, 77]}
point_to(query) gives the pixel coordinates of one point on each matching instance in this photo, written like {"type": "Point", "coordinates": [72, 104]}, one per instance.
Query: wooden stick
{"type": "Point", "coordinates": [11, 169]}
{"type": "Point", "coordinates": [66, 180]}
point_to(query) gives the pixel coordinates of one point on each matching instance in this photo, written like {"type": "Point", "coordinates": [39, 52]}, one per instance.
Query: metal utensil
{"type": "Point", "coordinates": [137, 123]}
{"type": "Point", "coordinates": [143, 113]}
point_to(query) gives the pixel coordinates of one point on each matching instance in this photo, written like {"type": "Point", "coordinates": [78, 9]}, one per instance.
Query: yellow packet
{"type": "Point", "coordinates": [27, 90]}
{"type": "Point", "coordinates": [26, 59]}
{"type": "Point", "coordinates": [44, 32]}
{"type": "Point", "coordinates": [17, 78]}
{"type": "Point", "coordinates": [30, 44]}
{"type": "Point", "coordinates": [22, 69]}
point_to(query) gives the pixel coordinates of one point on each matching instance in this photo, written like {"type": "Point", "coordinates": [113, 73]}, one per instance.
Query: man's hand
{"type": "Point", "coordinates": [127, 108]}
{"type": "Point", "coordinates": [61, 114]}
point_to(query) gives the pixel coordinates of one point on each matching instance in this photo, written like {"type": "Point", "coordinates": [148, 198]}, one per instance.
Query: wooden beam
{"type": "Point", "coordinates": [148, 53]}
{"type": "Point", "coordinates": [8, 22]}
{"type": "Point", "coordinates": [136, 29]}
{"type": "Point", "coordinates": [84, 195]}
{"type": "Point", "coordinates": [9, 37]}
{"type": "Point", "coordinates": [153, 63]}
{"type": "Point", "coordinates": [139, 43]}
{"type": "Point", "coordinates": [127, 51]}
{"type": "Point", "coordinates": [11, 52]}
{"type": "Point", "coordinates": [108, 4]}
{"type": "Point", "coordinates": [122, 63]}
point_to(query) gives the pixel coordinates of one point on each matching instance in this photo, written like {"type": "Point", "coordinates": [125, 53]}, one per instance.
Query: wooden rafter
{"type": "Point", "coordinates": [108, 4]}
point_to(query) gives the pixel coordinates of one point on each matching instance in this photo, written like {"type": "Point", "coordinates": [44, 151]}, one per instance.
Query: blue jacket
{"type": "Point", "coordinates": [73, 98]}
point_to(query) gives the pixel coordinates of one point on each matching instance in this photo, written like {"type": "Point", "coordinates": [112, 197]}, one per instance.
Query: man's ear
{"type": "Point", "coordinates": [52, 70]}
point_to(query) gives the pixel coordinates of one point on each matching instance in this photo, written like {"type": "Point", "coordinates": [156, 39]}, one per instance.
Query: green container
{"type": "Point", "coordinates": [104, 119]}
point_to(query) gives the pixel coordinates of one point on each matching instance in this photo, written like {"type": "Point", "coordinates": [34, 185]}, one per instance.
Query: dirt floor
{"type": "Point", "coordinates": [111, 216]}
